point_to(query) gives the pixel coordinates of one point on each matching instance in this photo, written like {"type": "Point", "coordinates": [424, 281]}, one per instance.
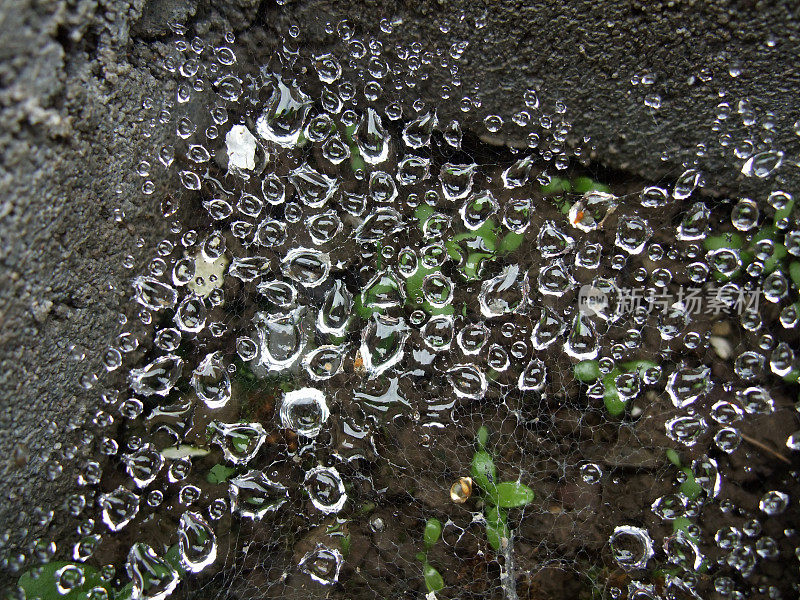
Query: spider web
{"type": "Point", "coordinates": [401, 437]}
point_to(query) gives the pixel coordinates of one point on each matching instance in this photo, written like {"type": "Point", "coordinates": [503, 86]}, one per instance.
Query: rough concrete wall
{"type": "Point", "coordinates": [73, 124]}
{"type": "Point", "coordinates": [74, 76]}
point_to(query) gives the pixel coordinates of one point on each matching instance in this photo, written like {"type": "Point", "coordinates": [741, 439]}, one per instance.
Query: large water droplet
{"type": "Point", "coordinates": [153, 577]}
{"type": "Point", "coordinates": [253, 495]}
{"type": "Point", "coordinates": [631, 547]}
{"type": "Point", "coordinates": [418, 132]}
{"type": "Point", "coordinates": [372, 139]}
{"type": "Point", "coordinates": [153, 294]}
{"type": "Point", "coordinates": [477, 209]}
{"type": "Point", "coordinates": [763, 164]}
{"type": "Point", "coordinates": [281, 339]}
{"type": "Point", "coordinates": [313, 188]}
{"type": "Point", "coordinates": [324, 362]}
{"type": "Point", "coordinates": [283, 119]}
{"type": "Point", "coordinates": [304, 411]}
{"type": "Point", "coordinates": [468, 381]}
{"type": "Point", "coordinates": [687, 384]}
{"type": "Point", "coordinates": [197, 542]}
{"type": "Point", "coordinates": [517, 174]}
{"type": "Point", "coordinates": [240, 442]}
{"type": "Point", "coordinates": [119, 507]}
{"type": "Point", "coordinates": [211, 381]}
{"type": "Point", "coordinates": [456, 180]}
{"type": "Point", "coordinates": [144, 465]}
{"type": "Point", "coordinates": [157, 377]}
{"type": "Point", "coordinates": [505, 293]}
{"type": "Point", "coordinates": [322, 564]}
{"type": "Point", "coordinates": [548, 329]}
{"type": "Point", "coordinates": [382, 343]}
{"type": "Point", "coordinates": [326, 489]}
{"type": "Point", "coordinates": [306, 266]}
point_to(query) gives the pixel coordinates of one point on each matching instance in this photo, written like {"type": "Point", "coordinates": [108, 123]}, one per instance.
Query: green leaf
{"type": "Point", "coordinates": [44, 585]}
{"type": "Point", "coordinates": [681, 524]}
{"type": "Point", "coordinates": [690, 488]}
{"type": "Point", "coordinates": [778, 253]}
{"type": "Point", "coordinates": [725, 240]}
{"type": "Point", "coordinates": [794, 272]}
{"type": "Point", "coordinates": [640, 366]}
{"type": "Point", "coordinates": [483, 471]}
{"type": "Point", "coordinates": [356, 162]}
{"type": "Point", "coordinates": [421, 556]}
{"type": "Point", "coordinates": [510, 494]}
{"type": "Point", "coordinates": [219, 474]}
{"type": "Point", "coordinates": [556, 185]}
{"type": "Point", "coordinates": [614, 404]}
{"type": "Point", "coordinates": [485, 232]}
{"type": "Point", "coordinates": [673, 457]}
{"type": "Point", "coordinates": [173, 558]}
{"type": "Point", "coordinates": [125, 593]}
{"type": "Point", "coordinates": [433, 530]}
{"type": "Point", "coordinates": [496, 526]}
{"type": "Point", "coordinates": [482, 436]}
{"type": "Point", "coordinates": [422, 213]}
{"type": "Point", "coordinates": [473, 263]}
{"type": "Point", "coordinates": [510, 242]}
{"type": "Point", "coordinates": [783, 213]}
{"type": "Point", "coordinates": [346, 542]}
{"type": "Point", "coordinates": [587, 371]}
{"type": "Point", "coordinates": [433, 579]}
{"type": "Point", "coordinates": [581, 185]}
{"type": "Point", "coordinates": [453, 251]}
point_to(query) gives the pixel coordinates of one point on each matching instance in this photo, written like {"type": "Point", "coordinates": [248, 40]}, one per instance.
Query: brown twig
{"type": "Point", "coordinates": [765, 448]}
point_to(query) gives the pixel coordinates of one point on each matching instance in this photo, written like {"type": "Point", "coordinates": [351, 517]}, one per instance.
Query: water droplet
{"type": "Point", "coordinates": [313, 188]}
{"type": "Point", "coordinates": [417, 133]}
{"type": "Point", "coordinates": [197, 542]}
{"type": "Point", "coordinates": [456, 180]}
{"type": "Point", "coordinates": [372, 139]}
{"type": "Point", "coordinates": [119, 508]}
{"type": "Point", "coordinates": [326, 489]}
{"type": "Point", "coordinates": [153, 294]}
{"type": "Point", "coordinates": [505, 293]}
{"type": "Point", "coordinates": [283, 120]}
{"type": "Point", "coordinates": [153, 577]}
{"type": "Point", "coordinates": [631, 547]}
{"type": "Point", "coordinates": [157, 377]}
{"type": "Point", "coordinates": [304, 411]}
{"type": "Point", "coordinates": [763, 164]}
{"type": "Point", "coordinates": [306, 266]}
{"type": "Point", "coordinates": [253, 495]}
{"type": "Point", "coordinates": [322, 564]}
{"type": "Point", "coordinates": [240, 442]}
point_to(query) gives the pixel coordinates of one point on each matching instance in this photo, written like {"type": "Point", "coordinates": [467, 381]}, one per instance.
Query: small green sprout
{"type": "Point", "coordinates": [219, 474]}
{"type": "Point", "coordinates": [690, 488]}
{"type": "Point", "coordinates": [581, 185]}
{"type": "Point", "coordinates": [588, 371]}
{"type": "Point", "coordinates": [40, 582]}
{"type": "Point", "coordinates": [557, 185]}
{"type": "Point", "coordinates": [499, 497]}
{"type": "Point", "coordinates": [433, 531]}
{"type": "Point", "coordinates": [346, 543]}
{"type": "Point", "coordinates": [433, 579]}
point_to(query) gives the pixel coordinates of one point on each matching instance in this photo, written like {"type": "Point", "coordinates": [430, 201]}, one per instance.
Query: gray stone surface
{"type": "Point", "coordinates": [74, 76]}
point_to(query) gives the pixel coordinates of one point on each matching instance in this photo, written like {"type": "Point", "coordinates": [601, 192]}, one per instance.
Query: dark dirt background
{"type": "Point", "coordinates": [74, 75]}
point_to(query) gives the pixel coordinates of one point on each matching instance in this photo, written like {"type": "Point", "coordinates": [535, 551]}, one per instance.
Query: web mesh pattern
{"type": "Point", "coordinates": [380, 357]}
